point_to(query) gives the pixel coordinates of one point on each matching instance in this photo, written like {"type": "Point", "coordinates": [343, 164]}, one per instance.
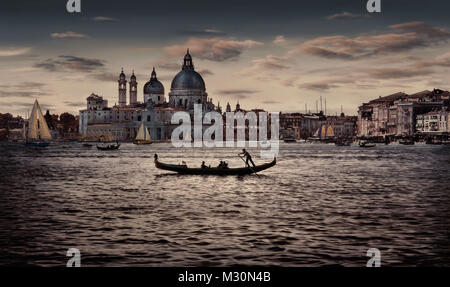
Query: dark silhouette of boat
{"type": "Point", "coordinates": [183, 169]}
{"type": "Point", "coordinates": [109, 147]}
{"type": "Point", "coordinates": [406, 142]}
{"type": "Point", "coordinates": [366, 144]}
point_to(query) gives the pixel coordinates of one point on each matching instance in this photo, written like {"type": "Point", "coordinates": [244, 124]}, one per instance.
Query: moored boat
{"type": "Point", "coordinates": [109, 146]}
{"type": "Point", "coordinates": [366, 144]}
{"type": "Point", "coordinates": [184, 169]}
{"type": "Point", "coordinates": [37, 134]}
{"type": "Point", "coordinates": [143, 136]}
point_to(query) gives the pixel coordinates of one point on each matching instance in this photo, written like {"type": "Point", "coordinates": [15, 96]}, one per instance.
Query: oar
{"type": "Point", "coordinates": [248, 165]}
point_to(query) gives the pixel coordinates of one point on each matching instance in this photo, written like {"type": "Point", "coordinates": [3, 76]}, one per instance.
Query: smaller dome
{"type": "Point", "coordinates": [153, 86]}
{"type": "Point", "coordinates": [133, 77]}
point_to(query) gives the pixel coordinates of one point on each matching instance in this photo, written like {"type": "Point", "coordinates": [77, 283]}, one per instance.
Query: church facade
{"type": "Point", "coordinates": [121, 122]}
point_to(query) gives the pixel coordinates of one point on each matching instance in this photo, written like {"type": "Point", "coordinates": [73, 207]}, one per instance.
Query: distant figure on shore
{"type": "Point", "coordinates": [248, 157]}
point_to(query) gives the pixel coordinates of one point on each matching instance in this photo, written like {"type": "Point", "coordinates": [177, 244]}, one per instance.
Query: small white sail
{"type": "Point", "coordinates": [33, 124]}
{"type": "Point", "coordinates": [44, 131]}
{"type": "Point", "coordinates": [143, 134]}
{"type": "Point", "coordinates": [37, 126]}
{"type": "Point", "coordinates": [330, 132]}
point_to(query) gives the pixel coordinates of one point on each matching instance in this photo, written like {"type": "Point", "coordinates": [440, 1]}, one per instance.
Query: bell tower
{"type": "Point", "coordinates": [122, 90]}
{"type": "Point", "coordinates": [133, 90]}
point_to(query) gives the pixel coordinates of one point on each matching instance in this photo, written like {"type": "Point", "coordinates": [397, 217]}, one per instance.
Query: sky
{"type": "Point", "coordinates": [276, 55]}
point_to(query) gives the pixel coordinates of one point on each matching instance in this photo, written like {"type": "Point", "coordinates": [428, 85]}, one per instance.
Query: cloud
{"type": "Point", "coordinates": [13, 51]}
{"type": "Point", "coordinates": [27, 89]}
{"type": "Point", "coordinates": [205, 72]}
{"type": "Point", "coordinates": [347, 16]}
{"type": "Point", "coordinates": [421, 28]}
{"type": "Point", "coordinates": [397, 73]}
{"type": "Point", "coordinates": [271, 102]}
{"type": "Point", "coordinates": [74, 104]}
{"type": "Point", "coordinates": [170, 66]}
{"type": "Point", "coordinates": [70, 63]}
{"type": "Point", "coordinates": [105, 76]}
{"type": "Point", "coordinates": [237, 93]}
{"type": "Point", "coordinates": [68, 35]}
{"type": "Point", "coordinates": [263, 68]}
{"type": "Point", "coordinates": [22, 94]}
{"type": "Point", "coordinates": [326, 84]}
{"type": "Point", "coordinates": [279, 40]}
{"type": "Point", "coordinates": [405, 37]}
{"type": "Point", "coordinates": [440, 61]}
{"type": "Point", "coordinates": [271, 62]}
{"type": "Point", "coordinates": [104, 19]}
{"type": "Point", "coordinates": [214, 49]}
{"type": "Point", "coordinates": [203, 33]}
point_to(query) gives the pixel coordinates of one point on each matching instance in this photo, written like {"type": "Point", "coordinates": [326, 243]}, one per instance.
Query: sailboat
{"type": "Point", "coordinates": [38, 133]}
{"type": "Point", "coordinates": [143, 136]}
{"type": "Point", "coordinates": [324, 133]}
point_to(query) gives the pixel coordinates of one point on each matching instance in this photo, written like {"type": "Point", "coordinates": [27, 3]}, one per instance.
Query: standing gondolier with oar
{"type": "Point", "coordinates": [248, 158]}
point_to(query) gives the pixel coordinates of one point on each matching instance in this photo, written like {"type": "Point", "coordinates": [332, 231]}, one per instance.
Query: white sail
{"type": "Point", "coordinates": [37, 126]}
{"type": "Point", "coordinates": [330, 132]}
{"type": "Point", "coordinates": [143, 134]}
{"type": "Point", "coordinates": [33, 124]}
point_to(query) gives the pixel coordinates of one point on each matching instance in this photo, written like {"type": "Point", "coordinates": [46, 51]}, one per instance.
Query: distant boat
{"type": "Point", "coordinates": [324, 133]}
{"type": "Point", "coordinates": [37, 134]}
{"type": "Point", "coordinates": [109, 146]}
{"type": "Point", "coordinates": [143, 136]}
{"type": "Point", "coordinates": [406, 142]}
{"type": "Point", "coordinates": [366, 144]}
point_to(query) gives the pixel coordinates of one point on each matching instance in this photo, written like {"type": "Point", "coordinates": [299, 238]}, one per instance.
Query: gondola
{"type": "Point", "coordinates": [109, 147]}
{"type": "Point", "coordinates": [183, 169]}
{"type": "Point", "coordinates": [366, 144]}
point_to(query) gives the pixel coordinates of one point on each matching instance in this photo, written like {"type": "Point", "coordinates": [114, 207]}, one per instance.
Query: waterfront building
{"type": "Point", "coordinates": [343, 126]}
{"type": "Point", "coordinates": [121, 122]}
{"type": "Point", "coordinates": [395, 115]}
{"type": "Point", "coordinates": [434, 122]}
{"type": "Point", "coordinates": [299, 126]}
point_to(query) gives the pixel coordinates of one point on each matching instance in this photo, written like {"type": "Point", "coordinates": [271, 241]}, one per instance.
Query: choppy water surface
{"type": "Point", "coordinates": [320, 205]}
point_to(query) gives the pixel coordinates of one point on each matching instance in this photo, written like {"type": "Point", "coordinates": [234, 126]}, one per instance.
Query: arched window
{"type": "Point", "coordinates": [139, 118]}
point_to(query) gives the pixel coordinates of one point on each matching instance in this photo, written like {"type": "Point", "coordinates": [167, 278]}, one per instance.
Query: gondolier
{"type": "Point", "coordinates": [248, 157]}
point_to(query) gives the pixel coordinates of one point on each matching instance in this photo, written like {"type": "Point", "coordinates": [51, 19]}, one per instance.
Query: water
{"type": "Point", "coordinates": [320, 205]}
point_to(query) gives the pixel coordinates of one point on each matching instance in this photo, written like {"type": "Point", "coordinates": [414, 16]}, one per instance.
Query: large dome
{"type": "Point", "coordinates": [188, 80]}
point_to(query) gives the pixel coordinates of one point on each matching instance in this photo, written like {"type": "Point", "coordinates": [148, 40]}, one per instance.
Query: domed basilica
{"type": "Point", "coordinates": [121, 121]}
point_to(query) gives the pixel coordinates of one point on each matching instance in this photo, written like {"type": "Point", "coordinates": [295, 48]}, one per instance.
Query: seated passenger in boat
{"type": "Point", "coordinates": [203, 164]}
